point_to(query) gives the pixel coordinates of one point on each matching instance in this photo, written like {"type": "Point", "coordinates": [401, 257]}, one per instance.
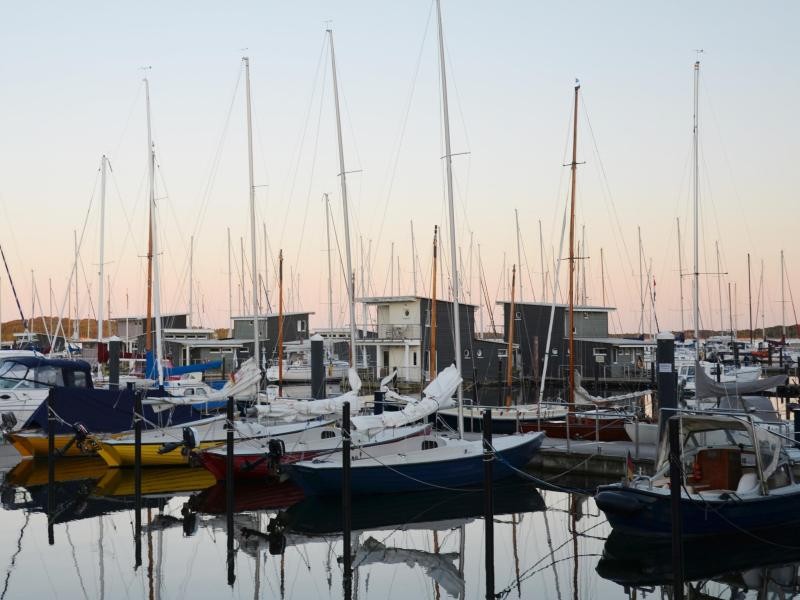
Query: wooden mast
{"type": "Point", "coordinates": [432, 357]}
{"type": "Point", "coordinates": [574, 168]}
{"type": "Point", "coordinates": [510, 351]}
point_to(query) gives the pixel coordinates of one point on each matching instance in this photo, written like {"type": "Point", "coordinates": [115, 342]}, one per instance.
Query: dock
{"type": "Point", "coordinates": [604, 459]}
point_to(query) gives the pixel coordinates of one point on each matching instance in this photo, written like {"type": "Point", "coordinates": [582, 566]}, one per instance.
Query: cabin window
{"type": "Point", "coordinates": [467, 353]}
{"type": "Point", "coordinates": [327, 434]}
{"type": "Point", "coordinates": [780, 478]}
{"type": "Point", "coordinates": [188, 392]}
{"type": "Point", "coordinates": [479, 353]}
{"type": "Point", "coordinates": [429, 444]}
{"type": "Point", "coordinates": [79, 379]}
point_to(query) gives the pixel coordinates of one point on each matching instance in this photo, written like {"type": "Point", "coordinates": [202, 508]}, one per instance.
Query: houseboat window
{"type": "Point", "coordinates": [502, 353]}
{"type": "Point", "coordinates": [414, 359]}
{"type": "Point", "coordinates": [479, 353]}
{"type": "Point", "coordinates": [467, 353]}
{"type": "Point", "coordinates": [301, 325]}
{"type": "Point", "coordinates": [518, 316]}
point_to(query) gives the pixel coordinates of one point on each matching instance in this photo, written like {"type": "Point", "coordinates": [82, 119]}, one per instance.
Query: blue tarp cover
{"type": "Point", "coordinates": [103, 411]}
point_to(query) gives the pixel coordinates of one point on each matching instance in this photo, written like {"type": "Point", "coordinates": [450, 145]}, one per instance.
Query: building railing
{"type": "Point", "coordinates": [405, 331]}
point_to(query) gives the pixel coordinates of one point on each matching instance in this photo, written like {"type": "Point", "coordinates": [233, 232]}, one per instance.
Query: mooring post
{"type": "Point", "coordinates": [667, 382]}
{"type": "Point", "coordinates": [51, 467]}
{"type": "Point", "coordinates": [377, 403]}
{"type": "Point", "coordinates": [137, 472]}
{"type": "Point", "coordinates": [113, 363]}
{"type": "Point", "coordinates": [346, 503]}
{"type": "Point", "coordinates": [229, 501]}
{"type": "Point", "coordinates": [317, 367]}
{"type": "Point", "coordinates": [675, 485]}
{"type": "Point", "coordinates": [488, 500]}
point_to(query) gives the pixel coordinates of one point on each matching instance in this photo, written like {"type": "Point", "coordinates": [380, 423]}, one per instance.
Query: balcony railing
{"type": "Point", "coordinates": [399, 331]}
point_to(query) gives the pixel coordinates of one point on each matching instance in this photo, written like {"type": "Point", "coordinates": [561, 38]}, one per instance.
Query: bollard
{"type": "Point", "coordinates": [229, 488]}
{"type": "Point", "coordinates": [675, 485]}
{"type": "Point", "coordinates": [665, 365]}
{"type": "Point", "coordinates": [317, 367]}
{"type": "Point", "coordinates": [488, 500]}
{"type": "Point", "coordinates": [51, 468]}
{"type": "Point", "coordinates": [137, 473]}
{"type": "Point", "coordinates": [346, 504]}
{"type": "Point", "coordinates": [113, 363]}
{"type": "Point", "coordinates": [377, 405]}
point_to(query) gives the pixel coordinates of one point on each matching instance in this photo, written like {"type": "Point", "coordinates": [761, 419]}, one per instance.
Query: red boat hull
{"type": "Point", "coordinates": [580, 428]}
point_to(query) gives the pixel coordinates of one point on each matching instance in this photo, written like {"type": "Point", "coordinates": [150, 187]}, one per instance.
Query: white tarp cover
{"type": "Point", "coordinates": [705, 387]}
{"type": "Point", "coordinates": [437, 395]}
{"type": "Point", "coordinates": [582, 395]}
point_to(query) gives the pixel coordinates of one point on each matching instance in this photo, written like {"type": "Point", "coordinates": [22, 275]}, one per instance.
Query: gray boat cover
{"type": "Point", "coordinates": [705, 387]}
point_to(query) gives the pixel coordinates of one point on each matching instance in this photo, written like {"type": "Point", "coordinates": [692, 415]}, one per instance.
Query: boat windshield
{"type": "Point", "coordinates": [15, 375]}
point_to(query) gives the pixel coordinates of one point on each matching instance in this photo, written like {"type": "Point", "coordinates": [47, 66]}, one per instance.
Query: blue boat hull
{"type": "Point", "coordinates": [455, 473]}
{"type": "Point", "coordinates": [643, 512]}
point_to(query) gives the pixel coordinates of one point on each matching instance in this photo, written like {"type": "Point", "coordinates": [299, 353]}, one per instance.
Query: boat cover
{"type": "Point", "coordinates": [102, 411]}
{"type": "Point", "coordinates": [582, 395]}
{"type": "Point", "coordinates": [437, 395]}
{"type": "Point", "coordinates": [705, 387]}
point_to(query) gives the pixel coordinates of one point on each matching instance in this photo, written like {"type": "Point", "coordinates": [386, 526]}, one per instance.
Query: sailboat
{"type": "Point", "coordinates": [424, 462]}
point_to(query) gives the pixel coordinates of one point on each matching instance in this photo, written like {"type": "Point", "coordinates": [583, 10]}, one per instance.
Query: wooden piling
{"type": "Point", "coordinates": [229, 500]}
{"type": "Point", "coordinates": [347, 523]}
{"type": "Point", "coordinates": [488, 500]}
{"type": "Point", "coordinates": [676, 484]}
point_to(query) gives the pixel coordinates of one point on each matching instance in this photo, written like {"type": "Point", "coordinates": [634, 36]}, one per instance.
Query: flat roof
{"type": "Point", "coordinates": [395, 299]}
{"type": "Point", "coordinates": [616, 341]}
{"type": "Point", "coordinates": [558, 305]}
{"type": "Point", "coordinates": [231, 343]}
{"type": "Point", "coordinates": [270, 315]}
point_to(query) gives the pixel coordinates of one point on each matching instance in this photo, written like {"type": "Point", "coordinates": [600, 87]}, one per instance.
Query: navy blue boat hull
{"type": "Point", "coordinates": [454, 473]}
{"type": "Point", "coordinates": [475, 424]}
{"type": "Point", "coordinates": [642, 512]}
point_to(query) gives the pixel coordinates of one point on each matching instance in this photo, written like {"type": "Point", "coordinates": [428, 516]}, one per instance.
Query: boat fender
{"type": "Point", "coordinates": [616, 502]}
{"type": "Point", "coordinates": [8, 421]}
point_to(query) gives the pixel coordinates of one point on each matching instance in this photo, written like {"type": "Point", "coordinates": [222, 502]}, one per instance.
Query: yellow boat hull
{"type": "Point", "coordinates": [35, 445]}
{"type": "Point", "coordinates": [123, 454]}
{"type": "Point", "coordinates": [31, 473]}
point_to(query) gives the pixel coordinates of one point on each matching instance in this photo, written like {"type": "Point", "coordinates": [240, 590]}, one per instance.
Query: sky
{"type": "Point", "coordinates": [72, 91]}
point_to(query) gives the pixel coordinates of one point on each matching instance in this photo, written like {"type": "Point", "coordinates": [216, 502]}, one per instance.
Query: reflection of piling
{"type": "Point", "coordinates": [347, 554]}
{"type": "Point", "coordinates": [51, 467]}
{"type": "Point", "coordinates": [675, 484]}
{"type": "Point", "coordinates": [137, 473]}
{"type": "Point", "coordinates": [488, 500]}
{"type": "Point", "coordinates": [229, 488]}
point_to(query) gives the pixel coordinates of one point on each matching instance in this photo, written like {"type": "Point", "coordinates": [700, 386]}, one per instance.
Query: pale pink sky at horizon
{"type": "Point", "coordinates": [73, 91]}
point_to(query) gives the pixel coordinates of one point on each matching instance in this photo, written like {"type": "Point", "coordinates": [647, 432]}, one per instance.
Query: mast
{"type": "Point", "coordinates": [583, 257]}
{"type": "Point", "coordinates": [719, 289]}
{"type": "Point", "coordinates": [191, 279]}
{"type": "Point", "coordinates": [510, 349]}
{"type": "Point", "coordinates": [153, 299]}
{"type": "Point", "coordinates": [519, 255]}
{"type": "Point", "coordinates": [448, 158]}
{"type": "Point", "coordinates": [100, 282]}
{"type": "Point", "coordinates": [391, 271]}
{"type": "Point", "coordinates": [364, 320]}
{"type": "Point", "coordinates": [330, 284]}
{"type": "Point", "coordinates": [480, 292]}
{"type": "Point", "coordinates": [280, 318]}
{"type": "Point", "coordinates": [696, 286]}
{"type": "Point", "coordinates": [763, 309]}
{"type": "Point", "coordinates": [783, 301]}
{"type": "Point", "coordinates": [541, 261]}
{"type": "Point", "coordinates": [242, 287]}
{"type": "Point", "coordinates": [432, 359]}
{"type": "Point", "coordinates": [349, 279]}
{"type": "Point", "coordinates": [76, 329]}
{"type": "Point", "coordinates": [680, 272]}
{"type": "Point", "coordinates": [603, 275]}
{"type": "Point", "coordinates": [414, 257]}
{"type": "Point", "coordinates": [730, 311]}
{"type": "Point", "coordinates": [230, 287]}
{"type": "Point", "coordinates": [253, 255]}
{"type": "Point", "coordinates": [641, 283]}
{"type": "Point", "coordinates": [574, 168]}
{"type": "Point", "coordinates": [750, 300]}
{"type": "Point", "coordinates": [266, 276]}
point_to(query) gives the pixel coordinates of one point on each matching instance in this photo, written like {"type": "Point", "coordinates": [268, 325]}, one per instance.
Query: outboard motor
{"type": "Point", "coordinates": [275, 451]}
{"type": "Point", "coordinates": [8, 421]}
{"type": "Point", "coordinates": [189, 440]}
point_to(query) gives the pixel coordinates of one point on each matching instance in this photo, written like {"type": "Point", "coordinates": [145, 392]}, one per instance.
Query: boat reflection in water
{"type": "Point", "coordinates": [728, 566]}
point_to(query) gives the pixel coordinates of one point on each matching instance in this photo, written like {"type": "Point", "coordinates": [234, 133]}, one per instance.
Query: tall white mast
{"type": "Point", "coordinates": [641, 283]}
{"type": "Point", "coordinates": [763, 308]}
{"type": "Point", "coordinates": [330, 280]}
{"type": "Point", "coordinates": [101, 285]}
{"type": "Point", "coordinates": [391, 271]}
{"type": "Point", "coordinates": [191, 280]}
{"type": "Point", "coordinates": [541, 262]}
{"type": "Point", "coordinates": [230, 287]}
{"type": "Point", "coordinates": [154, 233]}
{"type": "Point", "coordinates": [696, 286]}
{"type": "Point", "coordinates": [448, 158]}
{"type": "Point", "coordinates": [253, 256]}
{"type": "Point", "coordinates": [519, 254]}
{"type": "Point", "coordinates": [266, 274]}
{"type": "Point", "coordinates": [783, 299]}
{"type": "Point", "coordinates": [680, 273]}
{"type": "Point", "coordinates": [343, 179]}
{"type": "Point", "coordinates": [719, 290]}
{"type": "Point", "coordinates": [414, 257]}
